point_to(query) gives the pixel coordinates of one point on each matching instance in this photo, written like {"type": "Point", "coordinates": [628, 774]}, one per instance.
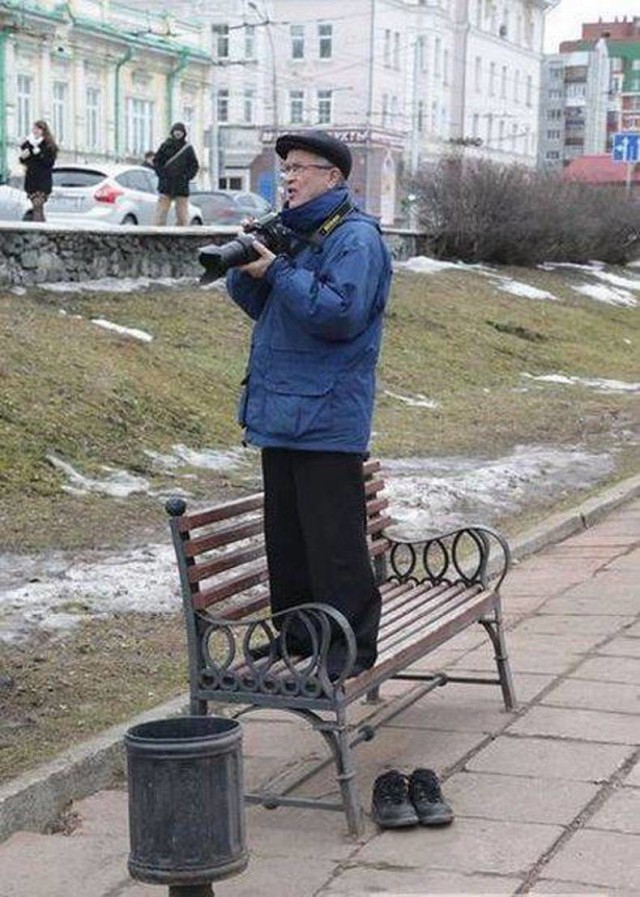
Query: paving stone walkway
{"type": "Point", "coordinates": [547, 798]}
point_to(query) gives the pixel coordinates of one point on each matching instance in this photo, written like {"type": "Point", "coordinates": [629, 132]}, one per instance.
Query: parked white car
{"type": "Point", "coordinates": [107, 195]}
{"type": "Point", "coordinates": [13, 203]}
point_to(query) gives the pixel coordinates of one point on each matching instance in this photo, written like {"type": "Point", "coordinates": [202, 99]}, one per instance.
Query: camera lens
{"type": "Point", "coordinates": [216, 260]}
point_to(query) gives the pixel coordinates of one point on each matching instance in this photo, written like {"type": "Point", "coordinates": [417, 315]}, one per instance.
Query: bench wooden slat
{"type": "Point", "coordinates": [223, 536]}
{"type": "Point", "coordinates": [229, 560]}
{"type": "Point", "coordinates": [189, 522]}
{"type": "Point", "coordinates": [232, 586]}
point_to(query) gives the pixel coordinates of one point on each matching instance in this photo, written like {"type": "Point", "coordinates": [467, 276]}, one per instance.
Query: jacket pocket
{"type": "Point", "coordinates": [298, 396]}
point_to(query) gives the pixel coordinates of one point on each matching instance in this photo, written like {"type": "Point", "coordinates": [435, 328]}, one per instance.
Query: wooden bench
{"type": "Point", "coordinates": [432, 589]}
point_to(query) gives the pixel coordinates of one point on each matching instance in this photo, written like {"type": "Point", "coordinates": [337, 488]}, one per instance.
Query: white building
{"type": "Point", "coordinates": [108, 79]}
{"type": "Point", "coordinates": [402, 81]}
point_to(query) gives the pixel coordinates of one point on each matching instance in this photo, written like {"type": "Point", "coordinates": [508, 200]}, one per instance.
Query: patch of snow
{"type": "Point", "coordinates": [141, 335]}
{"type": "Point", "coordinates": [442, 493]}
{"type": "Point", "coordinates": [598, 383]}
{"type": "Point", "coordinates": [423, 264]}
{"type": "Point", "coordinates": [206, 459]}
{"type": "Point", "coordinates": [417, 401]}
{"type": "Point", "coordinates": [609, 295]}
{"type": "Point", "coordinates": [525, 290]}
{"type": "Point", "coordinates": [427, 494]}
{"type": "Point", "coordinates": [117, 484]}
{"type": "Point", "coordinates": [138, 581]}
{"type": "Point", "coordinates": [114, 284]}
{"type": "Point", "coordinates": [18, 291]}
{"type": "Point", "coordinates": [592, 266]}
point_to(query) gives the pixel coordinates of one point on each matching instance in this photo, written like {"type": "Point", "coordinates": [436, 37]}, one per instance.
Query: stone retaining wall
{"type": "Point", "coordinates": [44, 253]}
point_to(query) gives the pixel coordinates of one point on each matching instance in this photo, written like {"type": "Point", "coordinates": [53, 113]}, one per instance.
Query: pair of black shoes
{"type": "Point", "coordinates": [400, 801]}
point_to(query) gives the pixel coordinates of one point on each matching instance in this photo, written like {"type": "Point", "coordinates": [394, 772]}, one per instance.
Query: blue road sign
{"type": "Point", "coordinates": [626, 147]}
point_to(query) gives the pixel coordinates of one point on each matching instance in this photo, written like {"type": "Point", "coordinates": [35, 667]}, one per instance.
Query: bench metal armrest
{"type": "Point", "coordinates": [232, 665]}
{"type": "Point", "coordinates": [473, 553]}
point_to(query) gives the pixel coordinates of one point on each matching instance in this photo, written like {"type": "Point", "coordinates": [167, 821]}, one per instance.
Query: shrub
{"type": "Point", "coordinates": [479, 211]}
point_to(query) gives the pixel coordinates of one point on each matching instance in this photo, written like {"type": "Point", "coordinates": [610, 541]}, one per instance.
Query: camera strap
{"type": "Point", "coordinates": [330, 223]}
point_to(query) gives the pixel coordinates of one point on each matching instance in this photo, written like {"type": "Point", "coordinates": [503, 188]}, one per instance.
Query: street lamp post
{"type": "Point", "coordinates": [266, 21]}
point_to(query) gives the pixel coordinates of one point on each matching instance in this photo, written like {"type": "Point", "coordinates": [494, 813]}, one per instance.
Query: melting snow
{"type": "Point", "coordinates": [417, 401]}
{"type": "Point", "coordinates": [206, 459]}
{"type": "Point", "coordinates": [525, 290]}
{"type": "Point", "coordinates": [598, 383]}
{"type": "Point", "coordinates": [423, 264]}
{"type": "Point", "coordinates": [114, 284]}
{"type": "Point", "coordinates": [55, 592]}
{"type": "Point", "coordinates": [609, 295]}
{"type": "Point", "coordinates": [117, 483]}
{"type": "Point", "coordinates": [141, 335]}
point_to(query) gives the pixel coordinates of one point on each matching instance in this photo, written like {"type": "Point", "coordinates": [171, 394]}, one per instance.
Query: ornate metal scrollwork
{"type": "Point", "coordinates": [258, 655]}
{"type": "Point", "coordinates": [462, 555]}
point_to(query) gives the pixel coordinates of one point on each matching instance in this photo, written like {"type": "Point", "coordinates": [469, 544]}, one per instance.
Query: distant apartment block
{"type": "Point", "coordinates": [590, 91]}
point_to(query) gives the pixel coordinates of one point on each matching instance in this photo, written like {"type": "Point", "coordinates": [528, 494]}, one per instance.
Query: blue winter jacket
{"type": "Point", "coordinates": [310, 379]}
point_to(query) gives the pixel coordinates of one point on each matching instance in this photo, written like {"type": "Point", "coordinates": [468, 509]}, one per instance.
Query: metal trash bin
{"type": "Point", "coordinates": [186, 802]}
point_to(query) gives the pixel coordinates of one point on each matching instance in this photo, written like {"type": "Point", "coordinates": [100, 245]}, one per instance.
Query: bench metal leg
{"type": "Point", "coordinates": [346, 776]}
{"type": "Point", "coordinates": [495, 630]}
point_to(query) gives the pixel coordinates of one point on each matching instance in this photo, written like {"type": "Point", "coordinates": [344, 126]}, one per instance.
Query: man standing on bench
{"type": "Point", "coordinates": [309, 390]}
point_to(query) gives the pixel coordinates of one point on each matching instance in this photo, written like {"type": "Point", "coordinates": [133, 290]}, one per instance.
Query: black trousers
{"type": "Point", "coordinates": [315, 525]}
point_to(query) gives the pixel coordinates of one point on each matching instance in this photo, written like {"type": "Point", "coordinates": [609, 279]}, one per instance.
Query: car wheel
{"type": "Point", "coordinates": [130, 219]}
{"type": "Point", "coordinates": [195, 222]}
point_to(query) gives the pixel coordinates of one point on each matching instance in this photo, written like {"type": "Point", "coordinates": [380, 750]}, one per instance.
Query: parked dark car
{"type": "Point", "coordinates": [229, 207]}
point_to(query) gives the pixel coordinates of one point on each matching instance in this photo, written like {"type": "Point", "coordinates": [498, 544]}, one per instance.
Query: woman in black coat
{"type": "Point", "coordinates": [175, 164]}
{"type": "Point", "coordinates": [38, 155]}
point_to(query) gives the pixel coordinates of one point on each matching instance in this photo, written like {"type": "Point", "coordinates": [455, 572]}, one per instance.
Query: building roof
{"type": "Point", "coordinates": [599, 169]}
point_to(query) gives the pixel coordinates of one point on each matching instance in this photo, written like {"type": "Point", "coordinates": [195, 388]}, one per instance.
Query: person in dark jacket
{"type": "Point", "coordinates": [38, 155]}
{"type": "Point", "coordinates": [309, 390]}
{"type": "Point", "coordinates": [176, 164]}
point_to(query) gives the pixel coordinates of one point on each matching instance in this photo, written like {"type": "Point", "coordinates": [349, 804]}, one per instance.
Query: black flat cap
{"type": "Point", "coordinates": [319, 142]}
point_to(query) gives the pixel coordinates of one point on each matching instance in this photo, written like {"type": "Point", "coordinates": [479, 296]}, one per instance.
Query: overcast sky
{"type": "Point", "coordinates": [565, 21]}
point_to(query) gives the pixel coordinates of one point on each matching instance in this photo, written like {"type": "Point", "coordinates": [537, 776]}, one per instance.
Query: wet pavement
{"type": "Point", "coordinates": [546, 798]}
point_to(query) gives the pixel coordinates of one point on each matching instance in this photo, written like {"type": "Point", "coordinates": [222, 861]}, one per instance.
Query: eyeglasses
{"type": "Point", "coordinates": [296, 167]}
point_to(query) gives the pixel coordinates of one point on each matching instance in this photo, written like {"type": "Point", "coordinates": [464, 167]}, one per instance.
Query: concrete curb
{"type": "Point", "coordinates": [36, 800]}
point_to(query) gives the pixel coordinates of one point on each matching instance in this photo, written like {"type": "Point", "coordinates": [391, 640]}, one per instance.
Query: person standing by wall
{"type": "Point", "coordinates": [175, 164]}
{"type": "Point", "coordinates": [309, 390]}
{"type": "Point", "coordinates": [38, 155]}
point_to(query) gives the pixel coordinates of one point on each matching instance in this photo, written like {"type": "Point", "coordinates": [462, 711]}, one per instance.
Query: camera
{"type": "Point", "coordinates": [216, 260]}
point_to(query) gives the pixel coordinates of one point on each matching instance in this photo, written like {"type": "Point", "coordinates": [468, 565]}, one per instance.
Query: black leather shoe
{"type": "Point", "coordinates": [427, 799]}
{"type": "Point", "coordinates": [391, 807]}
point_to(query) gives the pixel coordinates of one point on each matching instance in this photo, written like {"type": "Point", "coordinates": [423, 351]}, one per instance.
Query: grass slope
{"type": "Point", "coordinates": [93, 397]}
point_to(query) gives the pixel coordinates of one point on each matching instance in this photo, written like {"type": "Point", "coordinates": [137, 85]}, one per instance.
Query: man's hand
{"type": "Point", "coordinates": [259, 268]}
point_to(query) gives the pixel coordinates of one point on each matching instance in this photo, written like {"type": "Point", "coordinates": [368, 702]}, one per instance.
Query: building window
{"type": "Point", "coordinates": [324, 107]}
{"type": "Point", "coordinates": [422, 54]}
{"type": "Point", "coordinates": [437, 57]}
{"type": "Point", "coordinates": [396, 50]}
{"type": "Point", "coordinates": [489, 128]}
{"type": "Point", "coordinates": [393, 117]}
{"type": "Point", "coordinates": [516, 86]}
{"type": "Point", "coordinates": [445, 67]}
{"type": "Point", "coordinates": [220, 35]}
{"type": "Point", "coordinates": [477, 74]}
{"type": "Point", "coordinates": [59, 116]}
{"type": "Point", "coordinates": [529, 90]}
{"type": "Point", "coordinates": [553, 154]}
{"type": "Point", "coordinates": [503, 83]}
{"type": "Point", "coordinates": [420, 117]}
{"type": "Point", "coordinates": [249, 97]}
{"type": "Point", "coordinates": [492, 79]}
{"type": "Point", "coordinates": [249, 41]}
{"type": "Point", "coordinates": [297, 41]}
{"type": "Point", "coordinates": [479, 13]}
{"type": "Point", "coordinates": [296, 106]}
{"type": "Point", "coordinates": [222, 104]}
{"type": "Point", "coordinates": [553, 135]}
{"type": "Point", "coordinates": [475, 133]}
{"type": "Point", "coordinates": [325, 41]}
{"type": "Point", "coordinates": [189, 117]}
{"type": "Point", "coordinates": [92, 118]}
{"type": "Point", "coordinates": [24, 102]}
{"type": "Point", "coordinates": [387, 48]}
{"type": "Point", "coordinates": [139, 126]}
{"type": "Point", "coordinates": [385, 110]}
